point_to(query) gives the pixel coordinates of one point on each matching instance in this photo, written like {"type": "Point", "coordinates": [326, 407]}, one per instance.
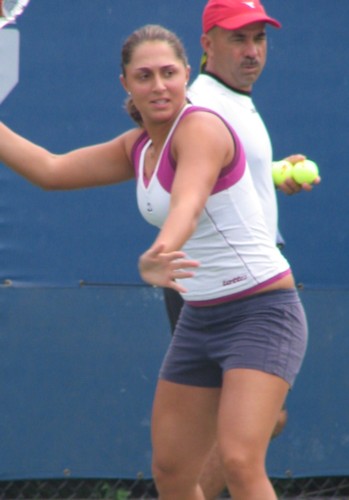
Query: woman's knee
{"type": "Point", "coordinates": [165, 468]}
{"type": "Point", "coordinates": [242, 466]}
{"type": "Point", "coordinates": [171, 480]}
{"type": "Point", "coordinates": [178, 474]}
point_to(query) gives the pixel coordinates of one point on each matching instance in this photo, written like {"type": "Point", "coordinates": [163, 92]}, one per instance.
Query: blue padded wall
{"type": "Point", "coordinates": [79, 364]}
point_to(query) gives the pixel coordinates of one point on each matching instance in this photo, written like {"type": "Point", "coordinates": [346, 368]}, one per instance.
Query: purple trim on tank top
{"type": "Point", "coordinates": [229, 175]}
{"type": "Point", "coordinates": [238, 295]}
{"type": "Point", "coordinates": [136, 151]}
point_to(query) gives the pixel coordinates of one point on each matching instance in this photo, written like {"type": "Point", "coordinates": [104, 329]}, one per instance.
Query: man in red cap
{"type": "Point", "coordinates": [234, 41]}
{"type": "Point", "coordinates": [234, 14]}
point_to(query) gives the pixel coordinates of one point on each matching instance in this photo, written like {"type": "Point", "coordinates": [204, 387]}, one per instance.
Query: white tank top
{"type": "Point", "coordinates": [239, 110]}
{"type": "Point", "coordinates": [232, 242]}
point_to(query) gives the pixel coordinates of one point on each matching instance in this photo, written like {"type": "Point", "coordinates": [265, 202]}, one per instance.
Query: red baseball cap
{"type": "Point", "coordinates": [234, 14]}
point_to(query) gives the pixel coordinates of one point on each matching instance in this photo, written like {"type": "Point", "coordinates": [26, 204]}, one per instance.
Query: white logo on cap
{"type": "Point", "coordinates": [250, 4]}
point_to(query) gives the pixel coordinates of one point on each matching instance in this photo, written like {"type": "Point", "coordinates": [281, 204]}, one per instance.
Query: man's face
{"type": "Point", "coordinates": [236, 56]}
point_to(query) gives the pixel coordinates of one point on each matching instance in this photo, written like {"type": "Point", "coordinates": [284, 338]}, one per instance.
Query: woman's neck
{"type": "Point", "coordinates": [158, 131]}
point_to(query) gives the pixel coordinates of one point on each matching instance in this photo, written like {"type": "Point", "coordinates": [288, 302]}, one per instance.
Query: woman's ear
{"type": "Point", "coordinates": [123, 83]}
{"type": "Point", "coordinates": [188, 71]}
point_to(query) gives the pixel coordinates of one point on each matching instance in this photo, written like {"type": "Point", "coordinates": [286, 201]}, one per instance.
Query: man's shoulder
{"type": "Point", "coordinates": [204, 80]}
{"type": "Point", "coordinates": [208, 92]}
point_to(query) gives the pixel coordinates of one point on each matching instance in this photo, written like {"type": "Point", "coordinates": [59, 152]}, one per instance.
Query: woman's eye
{"type": "Point", "coordinates": [169, 72]}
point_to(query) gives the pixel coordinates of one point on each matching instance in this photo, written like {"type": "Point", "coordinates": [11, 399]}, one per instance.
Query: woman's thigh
{"type": "Point", "coordinates": [184, 424]}
{"type": "Point", "coordinates": [250, 404]}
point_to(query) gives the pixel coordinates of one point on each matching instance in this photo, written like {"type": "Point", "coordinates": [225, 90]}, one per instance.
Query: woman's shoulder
{"type": "Point", "coordinates": [130, 139]}
{"type": "Point", "coordinates": [203, 119]}
{"type": "Point", "coordinates": [204, 133]}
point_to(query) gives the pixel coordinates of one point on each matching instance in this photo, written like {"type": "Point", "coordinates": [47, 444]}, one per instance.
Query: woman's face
{"type": "Point", "coordinates": [156, 79]}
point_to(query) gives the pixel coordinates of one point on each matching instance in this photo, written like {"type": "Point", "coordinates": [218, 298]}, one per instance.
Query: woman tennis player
{"type": "Point", "coordinates": [242, 334]}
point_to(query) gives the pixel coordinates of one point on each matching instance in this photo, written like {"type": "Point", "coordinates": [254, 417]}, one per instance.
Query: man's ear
{"type": "Point", "coordinates": [205, 42]}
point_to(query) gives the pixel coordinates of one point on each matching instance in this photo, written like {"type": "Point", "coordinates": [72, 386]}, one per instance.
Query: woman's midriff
{"type": "Point", "coordinates": [285, 282]}
{"type": "Point", "coordinates": [282, 284]}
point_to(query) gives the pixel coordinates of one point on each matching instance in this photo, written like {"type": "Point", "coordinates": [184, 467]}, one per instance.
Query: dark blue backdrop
{"type": "Point", "coordinates": [78, 364]}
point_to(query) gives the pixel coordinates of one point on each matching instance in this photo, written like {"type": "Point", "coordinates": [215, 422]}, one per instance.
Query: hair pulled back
{"type": "Point", "coordinates": [148, 33]}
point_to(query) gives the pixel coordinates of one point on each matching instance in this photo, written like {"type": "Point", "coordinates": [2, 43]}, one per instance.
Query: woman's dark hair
{"type": "Point", "coordinates": [148, 33]}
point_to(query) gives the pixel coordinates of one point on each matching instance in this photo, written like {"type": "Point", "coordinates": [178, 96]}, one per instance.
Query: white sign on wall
{"type": "Point", "coordinates": [9, 61]}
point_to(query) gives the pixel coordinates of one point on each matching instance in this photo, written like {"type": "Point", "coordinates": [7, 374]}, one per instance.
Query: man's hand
{"type": "Point", "coordinates": [290, 186]}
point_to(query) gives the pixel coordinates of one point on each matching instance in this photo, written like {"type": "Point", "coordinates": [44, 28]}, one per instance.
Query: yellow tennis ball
{"type": "Point", "coordinates": [305, 171]}
{"type": "Point", "coordinates": [281, 170]}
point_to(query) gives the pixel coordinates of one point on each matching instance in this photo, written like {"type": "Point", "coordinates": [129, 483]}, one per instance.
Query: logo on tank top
{"type": "Point", "coordinates": [237, 279]}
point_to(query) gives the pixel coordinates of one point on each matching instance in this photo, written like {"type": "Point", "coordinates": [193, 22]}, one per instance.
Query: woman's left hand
{"type": "Point", "coordinates": [160, 268]}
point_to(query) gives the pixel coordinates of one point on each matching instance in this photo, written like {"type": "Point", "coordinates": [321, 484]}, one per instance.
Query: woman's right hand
{"type": "Point", "coordinates": [159, 268]}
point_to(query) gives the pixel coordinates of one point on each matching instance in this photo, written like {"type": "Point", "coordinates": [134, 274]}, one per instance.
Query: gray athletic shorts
{"type": "Point", "coordinates": [266, 332]}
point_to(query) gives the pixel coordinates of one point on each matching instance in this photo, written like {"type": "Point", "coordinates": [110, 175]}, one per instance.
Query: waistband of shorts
{"type": "Point", "coordinates": [279, 296]}
{"type": "Point", "coordinates": [250, 292]}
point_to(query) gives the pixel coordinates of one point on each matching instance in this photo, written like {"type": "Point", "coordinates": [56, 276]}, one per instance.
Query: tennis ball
{"type": "Point", "coordinates": [281, 170]}
{"type": "Point", "coordinates": [305, 171]}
